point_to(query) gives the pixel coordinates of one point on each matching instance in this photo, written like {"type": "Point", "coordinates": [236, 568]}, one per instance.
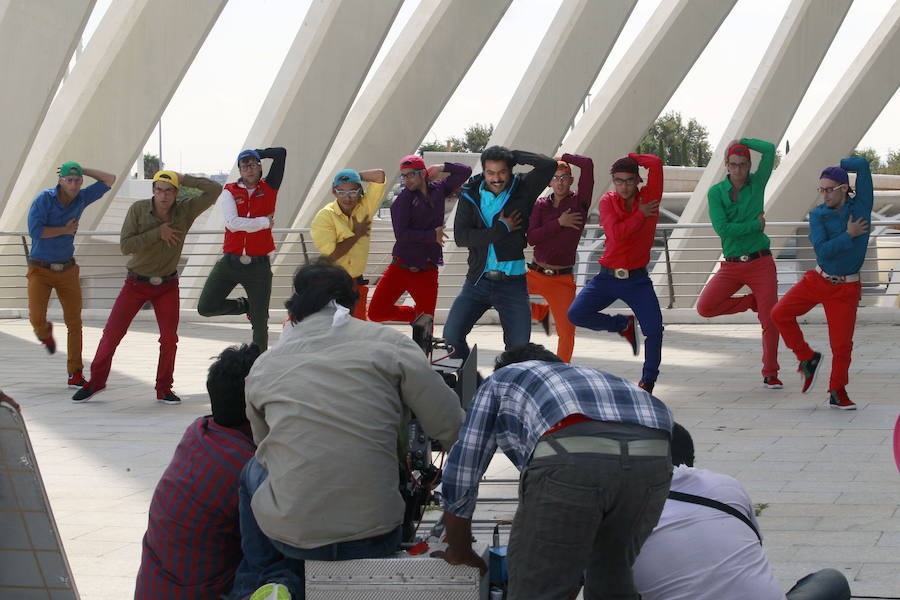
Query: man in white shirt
{"type": "Point", "coordinates": [248, 206]}
{"type": "Point", "coordinates": [699, 552]}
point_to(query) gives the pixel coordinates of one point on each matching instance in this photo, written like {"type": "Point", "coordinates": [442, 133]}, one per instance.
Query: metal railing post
{"type": "Point", "coordinates": [669, 277]}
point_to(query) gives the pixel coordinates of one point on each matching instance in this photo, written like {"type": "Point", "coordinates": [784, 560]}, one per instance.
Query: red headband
{"type": "Point", "coordinates": [739, 149]}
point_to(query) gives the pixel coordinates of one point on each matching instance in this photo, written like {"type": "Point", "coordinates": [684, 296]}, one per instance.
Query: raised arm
{"type": "Point", "coordinates": [210, 193]}
{"type": "Point", "coordinates": [456, 176]}
{"type": "Point", "coordinates": [585, 177]}
{"type": "Point", "coordinates": [539, 177]}
{"type": "Point", "coordinates": [864, 190]}
{"type": "Point", "coordinates": [653, 189]}
{"type": "Point", "coordinates": [108, 178]}
{"type": "Point", "coordinates": [276, 169]}
{"type": "Point", "coordinates": [766, 162]}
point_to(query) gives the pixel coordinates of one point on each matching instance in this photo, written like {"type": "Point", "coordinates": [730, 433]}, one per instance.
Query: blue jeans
{"type": "Point", "coordinates": [509, 297]}
{"type": "Point", "coordinates": [270, 561]}
{"type": "Point", "coordinates": [638, 294]}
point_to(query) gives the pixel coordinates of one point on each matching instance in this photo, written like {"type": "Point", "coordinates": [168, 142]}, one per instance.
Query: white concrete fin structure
{"type": "Point", "coordinates": [305, 107]}
{"type": "Point", "coordinates": [764, 112]}
{"type": "Point", "coordinates": [54, 31]}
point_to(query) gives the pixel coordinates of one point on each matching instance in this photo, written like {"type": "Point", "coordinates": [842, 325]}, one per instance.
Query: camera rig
{"type": "Point", "coordinates": [418, 473]}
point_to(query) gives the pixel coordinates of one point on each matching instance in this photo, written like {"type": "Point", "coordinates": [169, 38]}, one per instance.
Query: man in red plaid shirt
{"type": "Point", "coordinates": [193, 542]}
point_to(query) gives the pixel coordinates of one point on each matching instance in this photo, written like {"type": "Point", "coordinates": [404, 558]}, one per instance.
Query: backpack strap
{"type": "Point", "coordinates": [682, 497]}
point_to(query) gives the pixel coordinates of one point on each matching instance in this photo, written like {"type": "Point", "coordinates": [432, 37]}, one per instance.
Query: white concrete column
{"type": "Point", "coordinates": [305, 107]}
{"type": "Point", "coordinates": [846, 115]}
{"type": "Point", "coordinates": [406, 95]}
{"type": "Point", "coordinates": [637, 91]}
{"type": "Point", "coordinates": [562, 71]}
{"type": "Point", "coordinates": [764, 112]}
{"type": "Point", "coordinates": [115, 95]}
{"type": "Point", "coordinates": [32, 65]}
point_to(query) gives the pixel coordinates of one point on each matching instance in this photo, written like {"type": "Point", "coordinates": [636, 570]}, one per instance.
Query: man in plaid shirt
{"type": "Point", "coordinates": [193, 542]}
{"type": "Point", "coordinates": [595, 460]}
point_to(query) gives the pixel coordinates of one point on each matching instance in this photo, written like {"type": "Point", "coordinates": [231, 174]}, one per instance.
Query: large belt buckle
{"type": "Point", "coordinates": [620, 273]}
{"type": "Point", "coordinates": [834, 279]}
{"type": "Point", "coordinates": [245, 260]}
{"type": "Point", "coordinates": [744, 257]}
{"type": "Point", "coordinates": [549, 272]}
{"type": "Point", "coordinates": [156, 280]}
{"type": "Point", "coordinates": [57, 266]}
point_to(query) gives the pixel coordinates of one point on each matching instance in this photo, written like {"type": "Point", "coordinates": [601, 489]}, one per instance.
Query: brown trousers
{"type": "Point", "coordinates": [68, 289]}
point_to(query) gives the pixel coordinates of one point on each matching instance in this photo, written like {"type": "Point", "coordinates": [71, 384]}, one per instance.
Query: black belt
{"type": "Point", "coordinates": [157, 280]}
{"type": "Point", "coordinates": [246, 260]}
{"type": "Point", "coordinates": [550, 272]}
{"type": "Point", "coordinates": [623, 273]}
{"type": "Point", "coordinates": [428, 267]}
{"type": "Point", "coordinates": [360, 280]}
{"type": "Point", "coordinates": [53, 266]}
{"type": "Point", "coordinates": [749, 257]}
{"type": "Point", "coordinates": [499, 276]}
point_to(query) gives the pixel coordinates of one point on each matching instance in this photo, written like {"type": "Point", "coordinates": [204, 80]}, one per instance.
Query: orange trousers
{"type": "Point", "coordinates": [360, 310]}
{"type": "Point", "coordinates": [559, 290]}
{"type": "Point", "coordinates": [42, 281]}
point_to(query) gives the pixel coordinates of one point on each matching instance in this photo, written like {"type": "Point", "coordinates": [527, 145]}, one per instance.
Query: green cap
{"type": "Point", "coordinates": [70, 168]}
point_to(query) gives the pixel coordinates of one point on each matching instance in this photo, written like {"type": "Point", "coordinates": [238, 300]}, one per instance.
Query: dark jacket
{"type": "Point", "coordinates": [469, 229]}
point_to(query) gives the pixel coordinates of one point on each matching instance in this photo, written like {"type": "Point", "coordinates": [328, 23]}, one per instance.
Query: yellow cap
{"type": "Point", "coordinates": [169, 177]}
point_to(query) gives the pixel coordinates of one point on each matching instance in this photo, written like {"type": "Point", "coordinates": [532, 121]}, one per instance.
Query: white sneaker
{"type": "Point", "coordinates": [271, 591]}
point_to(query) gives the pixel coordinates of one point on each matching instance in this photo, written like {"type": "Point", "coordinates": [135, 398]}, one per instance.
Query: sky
{"type": "Point", "coordinates": [207, 121]}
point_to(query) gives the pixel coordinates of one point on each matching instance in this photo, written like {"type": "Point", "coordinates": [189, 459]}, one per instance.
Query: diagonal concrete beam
{"type": "Point", "coordinates": [114, 96]}
{"type": "Point", "coordinates": [562, 71]}
{"type": "Point", "coordinates": [764, 112]}
{"type": "Point", "coordinates": [639, 88]}
{"type": "Point", "coordinates": [870, 82]}
{"type": "Point", "coordinates": [32, 67]}
{"type": "Point", "coordinates": [406, 94]}
{"type": "Point", "coordinates": [304, 109]}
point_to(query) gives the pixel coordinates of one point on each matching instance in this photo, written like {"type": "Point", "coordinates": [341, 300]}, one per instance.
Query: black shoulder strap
{"type": "Point", "coordinates": [682, 497]}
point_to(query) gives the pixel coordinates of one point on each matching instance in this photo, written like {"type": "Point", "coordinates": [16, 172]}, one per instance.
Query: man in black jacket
{"type": "Point", "coordinates": [491, 220]}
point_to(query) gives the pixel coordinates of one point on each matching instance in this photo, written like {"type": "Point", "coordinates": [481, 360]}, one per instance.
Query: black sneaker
{"type": "Point", "coordinates": [545, 323]}
{"type": "Point", "coordinates": [647, 386]}
{"type": "Point", "coordinates": [86, 392]}
{"type": "Point", "coordinates": [48, 342]}
{"type": "Point", "coordinates": [808, 370]}
{"type": "Point", "coordinates": [631, 335]}
{"type": "Point", "coordinates": [168, 397]}
{"type": "Point", "coordinates": [839, 399]}
{"type": "Point", "coordinates": [771, 382]}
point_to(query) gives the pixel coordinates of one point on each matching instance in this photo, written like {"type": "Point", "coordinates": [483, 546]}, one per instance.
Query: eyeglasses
{"type": "Point", "coordinates": [70, 179]}
{"type": "Point", "coordinates": [561, 177]}
{"type": "Point", "coordinates": [347, 193]}
{"type": "Point", "coordinates": [822, 190]}
{"type": "Point", "coordinates": [620, 181]}
{"type": "Point", "coordinates": [738, 165]}
{"type": "Point", "coordinates": [409, 174]}
{"type": "Point", "coordinates": [249, 165]}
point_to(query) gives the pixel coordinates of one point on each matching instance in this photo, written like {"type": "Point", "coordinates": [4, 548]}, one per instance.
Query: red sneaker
{"type": "Point", "coordinates": [772, 383]}
{"type": "Point", "coordinates": [77, 380]}
{"type": "Point", "coordinates": [839, 399]}
{"type": "Point", "coordinates": [808, 370]}
{"type": "Point", "coordinates": [631, 335]}
{"type": "Point", "coordinates": [48, 342]}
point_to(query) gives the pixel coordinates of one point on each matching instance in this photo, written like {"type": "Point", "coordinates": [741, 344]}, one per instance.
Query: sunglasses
{"type": "Point", "coordinates": [828, 190]}
{"type": "Point", "coordinates": [347, 193]}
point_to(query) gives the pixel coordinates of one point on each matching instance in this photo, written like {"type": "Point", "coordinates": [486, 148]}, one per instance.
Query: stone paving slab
{"type": "Point", "coordinates": [825, 479]}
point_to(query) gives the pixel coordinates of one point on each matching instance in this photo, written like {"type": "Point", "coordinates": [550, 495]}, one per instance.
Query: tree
{"type": "Point", "coordinates": [871, 155]}
{"type": "Point", "coordinates": [675, 143]}
{"type": "Point", "coordinates": [891, 166]}
{"type": "Point", "coordinates": [474, 139]}
{"type": "Point", "coordinates": [151, 165]}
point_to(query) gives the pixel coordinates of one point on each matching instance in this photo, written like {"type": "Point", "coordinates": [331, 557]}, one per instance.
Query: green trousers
{"type": "Point", "coordinates": [256, 279]}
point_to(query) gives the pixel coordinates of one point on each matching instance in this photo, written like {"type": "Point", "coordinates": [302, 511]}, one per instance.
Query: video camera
{"type": "Point", "coordinates": [419, 475]}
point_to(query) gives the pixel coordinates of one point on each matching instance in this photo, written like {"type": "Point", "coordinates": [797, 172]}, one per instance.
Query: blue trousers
{"type": "Point", "coordinates": [638, 294]}
{"type": "Point", "coordinates": [270, 561]}
{"type": "Point", "coordinates": [509, 297]}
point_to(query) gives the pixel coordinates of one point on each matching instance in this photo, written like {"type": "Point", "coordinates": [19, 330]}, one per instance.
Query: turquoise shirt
{"type": "Point", "coordinates": [490, 205]}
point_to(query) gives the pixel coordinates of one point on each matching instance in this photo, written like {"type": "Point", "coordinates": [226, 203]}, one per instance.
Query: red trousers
{"type": "Point", "coordinates": [165, 301]}
{"type": "Point", "coordinates": [839, 301]}
{"type": "Point", "coordinates": [359, 311]}
{"type": "Point", "coordinates": [421, 285]}
{"type": "Point", "coordinates": [559, 290]}
{"type": "Point", "coordinates": [762, 279]}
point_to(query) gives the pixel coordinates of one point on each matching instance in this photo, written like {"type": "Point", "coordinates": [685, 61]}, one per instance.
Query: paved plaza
{"type": "Point", "coordinates": [825, 479]}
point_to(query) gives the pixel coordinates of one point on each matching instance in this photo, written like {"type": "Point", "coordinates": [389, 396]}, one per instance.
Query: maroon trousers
{"type": "Point", "coordinates": [165, 300]}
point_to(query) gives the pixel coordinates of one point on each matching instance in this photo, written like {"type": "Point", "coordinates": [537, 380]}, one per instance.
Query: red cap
{"type": "Point", "coordinates": [562, 165]}
{"type": "Point", "coordinates": [739, 149]}
{"type": "Point", "coordinates": [413, 161]}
